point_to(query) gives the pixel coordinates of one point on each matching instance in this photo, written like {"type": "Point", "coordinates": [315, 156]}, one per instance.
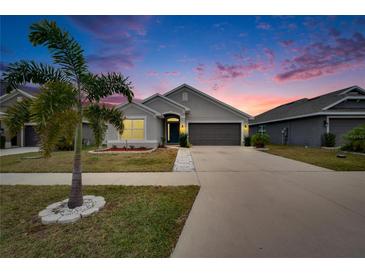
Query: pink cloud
{"type": "Point", "coordinates": [320, 59]}
{"type": "Point", "coordinates": [152, 73]}
{"type": "Point", "coordinates": [286, 43]}
{"type": "Point", "coordinates": [252, 103]}
{"type": "Point", "coordinates": [172, 73]}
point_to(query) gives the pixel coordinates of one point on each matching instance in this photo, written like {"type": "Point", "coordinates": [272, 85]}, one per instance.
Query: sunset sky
{"type": "Point", "coordinates": [251, 62]}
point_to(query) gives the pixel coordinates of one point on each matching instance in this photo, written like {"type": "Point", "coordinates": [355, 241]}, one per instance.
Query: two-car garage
{"type": "Point", "coordinates": [215, 134]}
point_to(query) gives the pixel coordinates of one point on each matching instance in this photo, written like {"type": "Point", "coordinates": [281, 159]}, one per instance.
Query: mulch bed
{"type": "Point", "coordinates": [126, 149]}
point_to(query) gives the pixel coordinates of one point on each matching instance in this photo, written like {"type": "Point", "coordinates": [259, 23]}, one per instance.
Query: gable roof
{"type": "Point", "coordinates": [140, 106]}
{"type": "Point", "coordinates": [157, 95]}
{"type": "Point", "coordinates": [224, 105]}
{"type": "Point", "coordinates": [308, 107]}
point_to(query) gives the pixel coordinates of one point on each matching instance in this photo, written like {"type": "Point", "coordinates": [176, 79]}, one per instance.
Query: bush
{"type": "Point", "coordinates": [355, 139]}
{"type": "Point", "coordinates": [64, 145]}
{"type": "Point", "coordinates": [328, 140]}
{"type": "Point", "coordinates": [247, 141]}
{"type": "Point", "coordinates": [260, 140]}
{"type": "Point", "coordinates": [183, 140]}
{"type": "Point", "coordinates": [2, 142]}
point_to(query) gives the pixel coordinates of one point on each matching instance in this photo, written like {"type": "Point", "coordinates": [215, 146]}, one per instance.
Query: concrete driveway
{"type": "Point", "coordinates": [18, 150]}
{"type": "Point", "coordinates": [253, 204]}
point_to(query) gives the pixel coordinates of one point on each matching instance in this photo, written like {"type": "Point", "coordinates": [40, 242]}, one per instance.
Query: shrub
{"type": "Point", "coordinates": [163, 142]}
{"type": "Point", "coordinates": [247, 141]}
{"type": "Point", "coordinates": [2, 142]}
{"type": "Point", "coordinates": [64, 145]}
{"type": "Point", "coordinates": [260, 140]}
{"type": "Point", "coordinates": [355, 139]}
{"type": "Point", "coordinates": [183, 140]}
{"type": "Point", "coordinates": [328, 140]}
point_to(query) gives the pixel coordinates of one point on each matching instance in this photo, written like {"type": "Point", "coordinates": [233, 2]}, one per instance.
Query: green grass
{"type": "Point", "coordinates": [320, 157]}
{"type": "Point", "coordinates": [143, 221]}
{"type": "Point", "coordinates": [61, 161]}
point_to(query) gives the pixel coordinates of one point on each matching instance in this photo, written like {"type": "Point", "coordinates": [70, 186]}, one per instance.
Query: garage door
{"type": "Point", "coordinates": [215, 134]}
{"type": "Point", "coordinates": [30, 137]}
{"type": "Point", "coordinates": [340, 126]}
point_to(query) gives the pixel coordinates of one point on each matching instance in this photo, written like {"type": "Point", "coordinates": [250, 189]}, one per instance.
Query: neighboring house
{"type": "Point", "coordinates": [206, 120]}
{"type": "Point", "coordinates": [303, 122]}
{"type": "Point", "coordinates": [27, 136]}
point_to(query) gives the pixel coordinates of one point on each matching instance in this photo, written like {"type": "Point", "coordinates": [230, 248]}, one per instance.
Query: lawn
{"type": "Point", "coordinates": [143, 221]}
{"type": "Point", "coordinates": [320, 157]}
{"type": "Point", "coordinates": [61, 161]}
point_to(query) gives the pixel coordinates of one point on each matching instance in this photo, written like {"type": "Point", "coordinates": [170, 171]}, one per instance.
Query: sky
{"type": "Point", "coordinates": [253, 63]}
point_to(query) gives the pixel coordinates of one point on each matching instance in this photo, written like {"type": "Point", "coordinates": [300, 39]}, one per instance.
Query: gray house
{"type": "Point", "coordinates": [303, 122]}
{"type": "Point", "coordinates": [184, 109]}
{"type": "Point", "coordinates": [27, 136]}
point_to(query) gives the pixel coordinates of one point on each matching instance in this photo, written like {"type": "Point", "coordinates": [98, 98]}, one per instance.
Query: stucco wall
{"type": "Point", "coordinates": [306, 131]}
{"type": "Point", "coordinates": [164, 106]}
{"type": "Point", "coordinates": [203, 109]}
{"type": "Point", "coordinates": [153, 125]}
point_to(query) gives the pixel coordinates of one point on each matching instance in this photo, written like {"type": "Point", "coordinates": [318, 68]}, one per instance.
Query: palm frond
{"type": "Point", "coordinates": [98, 116]}
{"type": "Point", "coordinates": [17, 115]}
{"type": "Point", "coordinates": [103, 85]}
{"type": "Point", "coordinates": [65, 50]}
{"type": "Point", "coordinates": [53, 112]}
{"type": "Point", "coordinates": [29, 71]}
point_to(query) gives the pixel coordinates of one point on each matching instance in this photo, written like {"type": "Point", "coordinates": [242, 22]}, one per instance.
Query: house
{"type": "Point", "coordinates": [206, 120]}
{"type": "Point", "coordinates": [303, 122]}
{"type": "Point", "coordinates": [27, 136]}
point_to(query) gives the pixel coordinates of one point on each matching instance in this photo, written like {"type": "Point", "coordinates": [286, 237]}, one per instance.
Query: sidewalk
{"type": "Point", "coordinates": [132, 178]}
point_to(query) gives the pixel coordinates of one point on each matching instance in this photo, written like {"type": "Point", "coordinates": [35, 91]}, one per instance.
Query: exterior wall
{"type": "Point", "coordinates": [305, 131]}
{"type": "Point", "coordinates": [203, 109]}
{"type": "Point", "coordinates": [341, 125]}
{"type": "Point", "coordinates": [163, 106]}
{"type": "Point", "coordinates": [153, 129]}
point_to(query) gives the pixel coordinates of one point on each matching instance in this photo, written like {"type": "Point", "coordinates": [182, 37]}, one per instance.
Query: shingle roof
{"type": "Point", "coordinates": [32, 90]}
{"type": "Point", "coordinates": [304, 106]}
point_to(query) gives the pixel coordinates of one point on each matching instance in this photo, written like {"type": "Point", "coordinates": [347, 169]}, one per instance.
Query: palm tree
{"type": "Point", "coordinates": [65, 87]}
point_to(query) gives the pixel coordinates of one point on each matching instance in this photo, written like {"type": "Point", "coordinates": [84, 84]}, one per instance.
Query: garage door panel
{"type": "Point", "coordinates": [341, 126]}
{"type": "Point", "coordinates": [215, 133]}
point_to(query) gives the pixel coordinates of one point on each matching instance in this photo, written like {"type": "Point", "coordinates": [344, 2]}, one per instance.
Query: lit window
{"type": "Point", "coordinates": [185, 96]}
{"type": "Point", "coordinates": [133, 129]}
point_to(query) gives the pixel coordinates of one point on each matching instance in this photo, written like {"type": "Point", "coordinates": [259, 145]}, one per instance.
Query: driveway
{"type": "Point", "coordinates": [254, 204]}
{"type": "Point", "coordinates": [18, 150]}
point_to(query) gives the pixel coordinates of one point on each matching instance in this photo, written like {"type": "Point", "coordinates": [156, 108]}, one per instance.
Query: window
{"type": "Point", "coordinates": [184, 96]}
{"type": "Point", "coordinates": [133, 129]}
{"type": "Point", "coordinates": [262, 129]}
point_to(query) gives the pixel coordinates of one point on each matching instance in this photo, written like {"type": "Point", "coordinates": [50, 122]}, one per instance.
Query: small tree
{"type": "Point", "coordinates": [58, 110]}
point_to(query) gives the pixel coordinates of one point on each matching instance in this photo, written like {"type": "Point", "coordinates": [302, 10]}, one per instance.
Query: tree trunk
{"type": "Point", "coordinates": [75, 198]}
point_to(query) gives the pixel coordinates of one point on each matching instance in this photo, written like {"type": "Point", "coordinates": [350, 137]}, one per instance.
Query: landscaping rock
{"type": "Point", "coordinates": [50, 219]}
{"type": "Point", "coordinates": [61, 213]}
{"type": "Point", "coordinates": [69, 218]}
{"type": "Point", "coordinates": [100, 204]}
{"type": "Point", "coordinates": [54, 205]}
{"type": "Point", "coordinates": [88, 212]}
{"type": "Point", "coordinates": [44, 212]}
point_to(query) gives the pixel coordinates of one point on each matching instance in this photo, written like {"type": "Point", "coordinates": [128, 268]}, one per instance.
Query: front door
{"type": "Point", "coordinates": [174, 133]}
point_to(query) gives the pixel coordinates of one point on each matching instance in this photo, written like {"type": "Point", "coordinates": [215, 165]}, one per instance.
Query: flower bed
{"type": "Point", "coordinates": [123, 150]}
